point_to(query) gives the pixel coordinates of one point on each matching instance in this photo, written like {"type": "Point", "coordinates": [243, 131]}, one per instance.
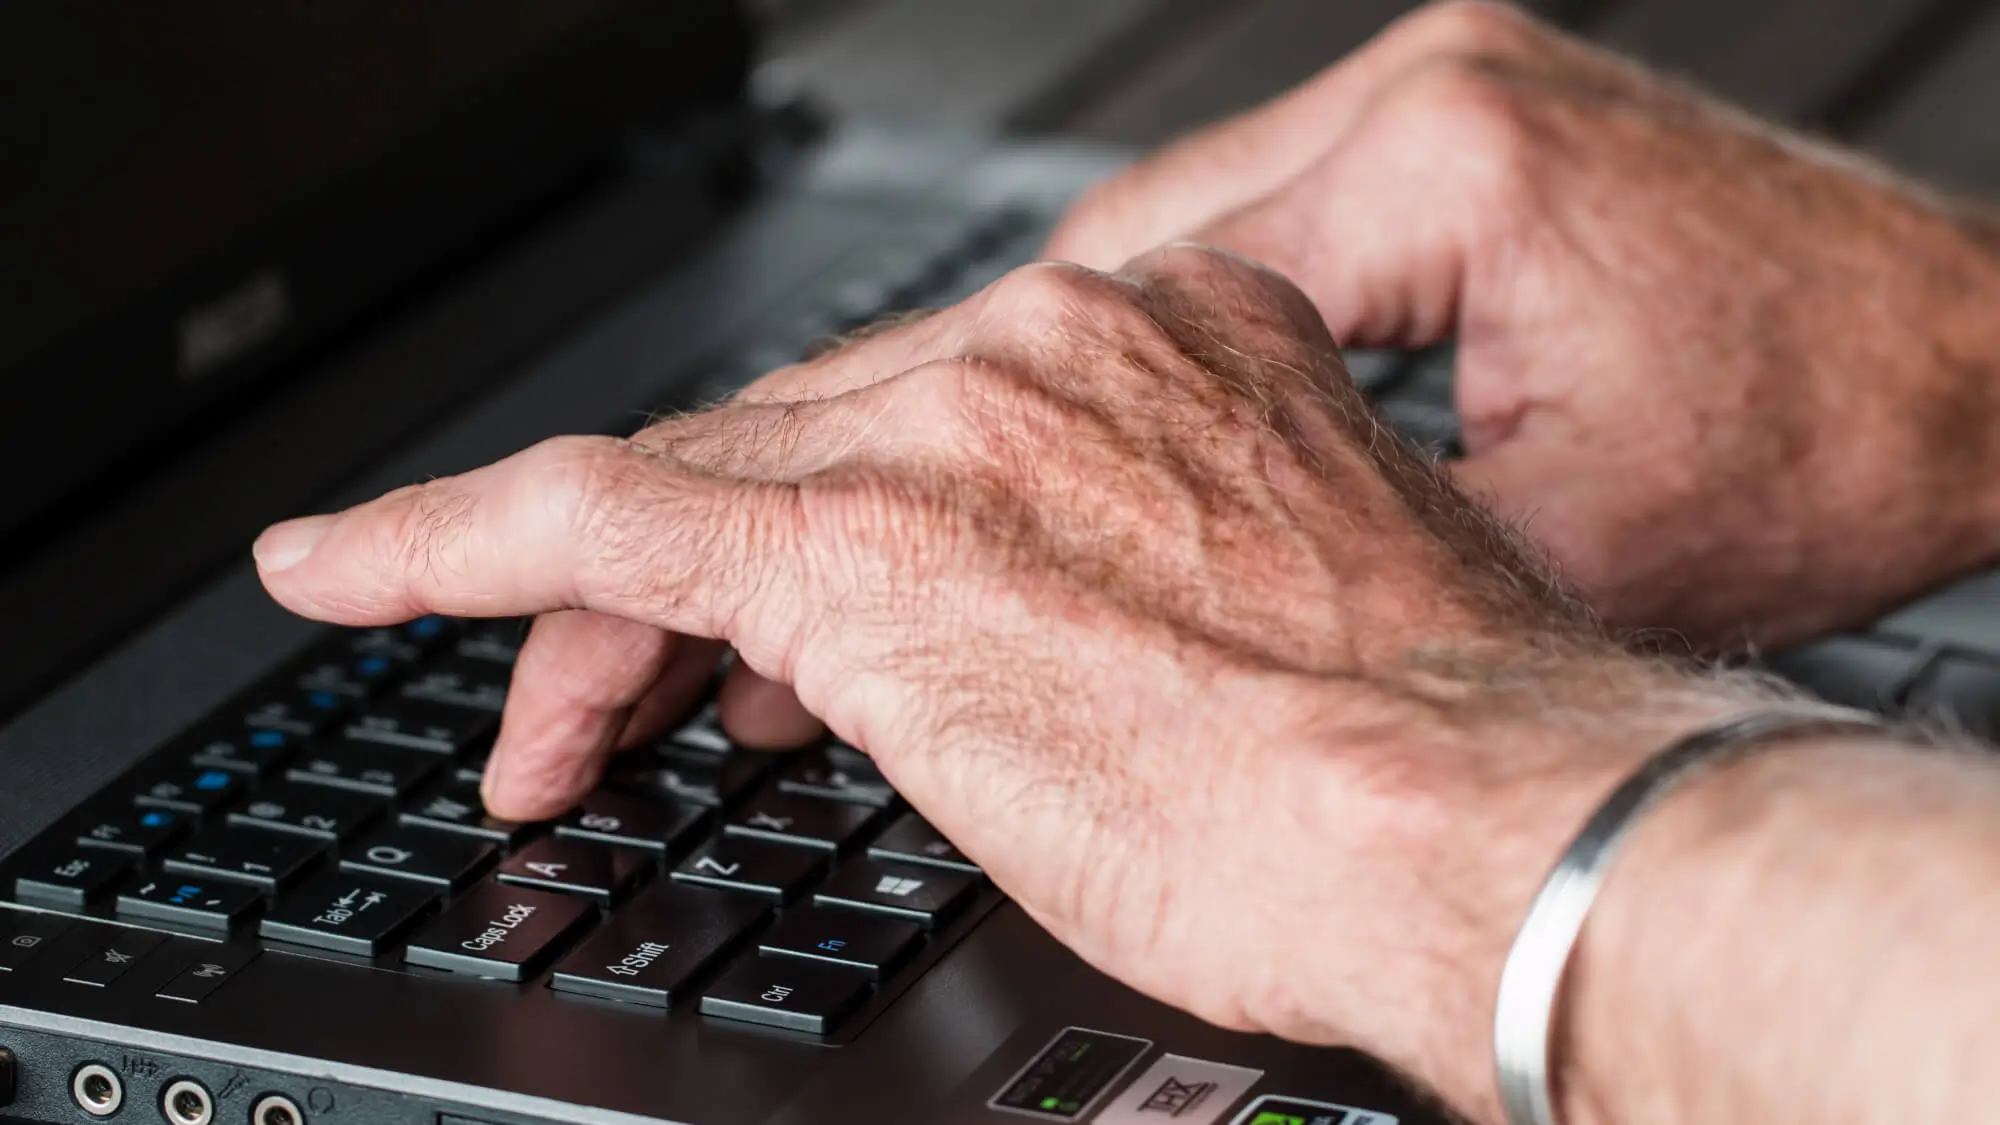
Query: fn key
{"type": "Point", "coordinates": [793, 995]}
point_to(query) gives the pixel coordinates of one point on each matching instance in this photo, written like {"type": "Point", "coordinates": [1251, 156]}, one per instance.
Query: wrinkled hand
{"type": "Point", "coordinates": [1736, 383]}
{"type": "Point", "coordinates": [1122, 587]}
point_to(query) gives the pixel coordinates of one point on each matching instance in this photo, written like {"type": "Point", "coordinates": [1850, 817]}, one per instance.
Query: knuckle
{"type": "Point", "coordinates": [1473, 27]}
{"type": "Point", "coordinates": [428, 519]}
{"type": "Point", "coordinates": [1046, 293]}
{"type": "Point", "coordinates": [1470, 112]}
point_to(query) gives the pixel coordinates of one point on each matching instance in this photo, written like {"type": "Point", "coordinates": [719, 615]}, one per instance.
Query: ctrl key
{"type": "Point", "coordinates": [499, 931]}
{"type": "Point", "coordinates": [792, 995]}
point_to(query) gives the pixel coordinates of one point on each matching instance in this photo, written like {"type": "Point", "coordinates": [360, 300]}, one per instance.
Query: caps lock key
{"type": "Point", "coordinates": [498, 931]}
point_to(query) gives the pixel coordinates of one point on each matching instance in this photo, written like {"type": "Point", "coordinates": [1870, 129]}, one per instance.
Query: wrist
{"type": "Point", "coordinates": [1465, 807]}
{"type": "Point", "coordinates": [1796, 935]}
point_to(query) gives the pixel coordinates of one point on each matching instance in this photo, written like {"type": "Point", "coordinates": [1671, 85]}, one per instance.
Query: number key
{"type": "Point", "coordinates": [311, 810]}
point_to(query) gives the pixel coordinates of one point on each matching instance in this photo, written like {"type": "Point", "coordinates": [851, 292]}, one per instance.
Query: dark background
{"type": "Point", "coordinates": [1916, 82]}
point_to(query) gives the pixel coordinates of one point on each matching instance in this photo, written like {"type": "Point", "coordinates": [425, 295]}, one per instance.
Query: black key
{"type": "Point", "coordinates": [786, 993]}
{"type": "Point", "coordinates": [456, 806]}
{"type": "Point", "coordinates": [462, 681]}
{"type": "Point", "coordinates": [814, 773]}
{"type": "Point", "coordinates": [429, 632]}
{"type": "Point", "coordinates": [347, 913]}
{"type": "Point", "coordinates": [252, 750]}
{"type": "Point", "coordinates": [304, 713]}
{"type": "Point", "coordinates": [405, 643]}
{"type": "Point", "coordinates": [421, 724]}
{"type": "Point", "coordinates": [497, 641]}
{"type": "Point", "coordinates": [199, 903]}
{"type": "Point", "coordinates": [435, 858]}
{"type": "Point", "coordinates": [213, 967]}
{"type": "Point", "coordinates": [499, 931]}
{"type": "Point", "coordinates": [195, 789]}
{"type": "Point", "coordinates": [115, 958]}
{"type": "Point", "coordinates": [72, 878]}
{"type": "Point", "coordinates": [312, 810]}
{"type": "Point", "coordinates": [924, 895]}
{"type": "Point", "coordinates": [364, 767]}
{"type": "Point", "coordinates": [703, 733]}
{"type": "Point", "coordinates": [913, 840]}
{"type": "Point", "coordinates": [578, 867]}
{"type": "Point", "coordinates": [768, 871]}
{"type": "Point", "coordinates": [1963, 688]}
{"type": "Point", "coordinates": [656, 944]}
{"type": "Point", "coordinates": [139, 831]}
{"type": "Point", "coordinates": [700, 778]}
{"type": "Point", "coordinates": [267, 860]}
{"type": "Point", "coordinates": [806, 822]}
{"type": "Point", "coordinates": [870, 945]}
{"type": "Point", "coordinates": [24, 933]}
{"type": "Point", "coordinates": [340, 669]}
{"type": "Point", "coordinates": [634, 822]}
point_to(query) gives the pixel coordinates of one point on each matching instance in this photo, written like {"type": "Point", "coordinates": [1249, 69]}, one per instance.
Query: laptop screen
{"type": "Point", "coordinates": [195, 190]}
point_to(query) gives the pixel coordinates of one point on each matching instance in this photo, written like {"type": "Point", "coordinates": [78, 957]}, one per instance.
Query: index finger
{"type": "Point", "coordinates": [572, 523]}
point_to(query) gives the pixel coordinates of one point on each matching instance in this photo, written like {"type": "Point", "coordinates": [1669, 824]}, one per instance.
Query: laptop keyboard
{"type": "Point", "coordinates": [335, 809]}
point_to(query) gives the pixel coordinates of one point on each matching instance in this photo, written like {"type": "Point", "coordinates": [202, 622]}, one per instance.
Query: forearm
{"type": "Point", "coordinates": [1806, 936]}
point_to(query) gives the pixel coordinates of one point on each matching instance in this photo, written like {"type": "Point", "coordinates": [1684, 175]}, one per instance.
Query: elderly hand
{"type": "Point", "coordinates": [1736, 382]}
{"type": "Point", "coordinates": [1121, 585]}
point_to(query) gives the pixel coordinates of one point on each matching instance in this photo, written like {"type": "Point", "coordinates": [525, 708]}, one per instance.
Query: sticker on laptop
{"type": "Point", "coordinates": [1273, 1109]}
{"type": "Point", "coordinates": [1180, 1091]}
{"type": "Point", "coordinates": [1068, 1077]}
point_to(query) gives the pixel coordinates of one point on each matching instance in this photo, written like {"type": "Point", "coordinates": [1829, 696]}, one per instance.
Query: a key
{"type": "Point", "coordinates": [267, 860]}
{"type": "Point", "coordinates": [421, 724]}
{"type": "Point", "coordinates": [140, 831]}
{"type": "Point", "coordinates": [768, 871]}
{"type": "Point", "coordinates": [699, 778]}
{"type": "Point", "coordinates": [456, 806]}
{"type": "Point", "coordinates": [500, 931]}
{"type": "Point", "coordinates": [702, 733]}
{"type": "Point", "coordinates": [805, 822]}
{"type": "Point", "coordinates": [629, 821]}
{"type": "Point", "coordinates": [304, 713]}
{"type": "Point", "coordinates": [364, 767]}
{"type": "Point", "coordinates": [72, 878]}
{"type": "Point", "coordinates": [114, 959]}
{"type": "Point", "coordinates": [194, 789]}
{"type": "Point", "coordinates": [25, 933]}
{"type": "Point", "coordinates": [577, 867]}
{"type": "Point", "coordinates": [347, 913]}
{"type": "Point", "coordinates": [462, 681]}
{"type": "Point", "coordinates": [198, 903]}
{"type": "Point", "coordinates": [912, 840]}
{"type": "Point", "coordinates": [213, 967]}
{"type": "Point", "coordinates": [341, 668]}
{"type": "Point", "coordinates": [438, 859]}
{"type": "Point", "coordinates": [786, 993]}
{"type": "Point", "coordinates": [657, 943]}
{"type": "Point", "coordinates": [924, 895]}
{"type": "Point", "coordinates": [497, 641]}
{"type": "Point", "coordinates": [874, 946]}
{"type": "Point", "coordinates": [258, 751]}
{"type": "Point", "coordinates": [312, 810]}
{"type": "Point", "coordinates": [814, 773]}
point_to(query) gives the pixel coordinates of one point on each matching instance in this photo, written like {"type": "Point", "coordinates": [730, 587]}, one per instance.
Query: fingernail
{"type": "Point", "coordinates": [286, 545]}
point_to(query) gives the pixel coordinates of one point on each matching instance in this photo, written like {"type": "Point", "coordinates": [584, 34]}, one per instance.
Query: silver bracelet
{"type": "Point", "coordinates": [1531, 980]}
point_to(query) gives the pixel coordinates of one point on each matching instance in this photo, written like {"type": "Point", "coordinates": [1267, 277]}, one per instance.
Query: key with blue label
{"type": "Point", "coordinates": [194, 789]}
{"type": "Point", "coordinates": [258, 751]}
{"type": "Point", "coordinates": [869, 945]}
{"type": "Point", "coordinates": [141, 831]}
{"type": "Point", "coordinates": [197, 903]}
{"type": "Point", "coordinates": [304, 713]}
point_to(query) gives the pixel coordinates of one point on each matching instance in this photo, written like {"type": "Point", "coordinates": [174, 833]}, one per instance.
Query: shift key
{"type": "Point", "coordinates": [500, 931]}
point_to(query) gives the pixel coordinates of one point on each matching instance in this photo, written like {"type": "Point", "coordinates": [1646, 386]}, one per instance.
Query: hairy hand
{"type": "Point", "coordinates": [1737, 383]}
{"type": "Point", "coordinates": [1121, 585]}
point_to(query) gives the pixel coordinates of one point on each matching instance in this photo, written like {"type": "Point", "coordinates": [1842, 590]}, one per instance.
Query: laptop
{"type": "Point", "coordinates": [267, 259]}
